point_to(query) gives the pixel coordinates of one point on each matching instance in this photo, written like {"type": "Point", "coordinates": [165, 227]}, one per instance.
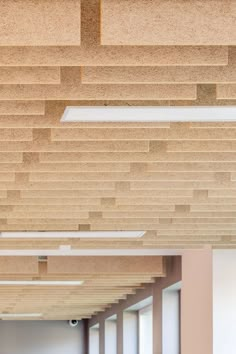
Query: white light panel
{"type": "Point", "coordinates": [17, 315]}
{"type": "Point", "coordinates": [92, 252]}
{"type": "Point", "coordinates": [149, 114]}
{"type": "Point", "coordinates": [41, 282]}
{"type": "Point", "coordinates": [74, 234]}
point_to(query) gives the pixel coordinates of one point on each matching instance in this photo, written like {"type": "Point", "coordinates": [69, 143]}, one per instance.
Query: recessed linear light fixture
{"type": "Point", "coordinates": [149, 114]}
{"type": "Point", "coordinates": [74, 234]}
{"type": "Point", "coordinates": [41, 282]}
{"type": "Point", "coordinates": [92, 252]}
{"type": "Point", "coordinates": [17, 315]}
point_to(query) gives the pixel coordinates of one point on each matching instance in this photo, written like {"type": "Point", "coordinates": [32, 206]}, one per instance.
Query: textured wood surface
{"type": "Point", "coordinates": [161, 22]}
{"type": "Point", "coordinates": [33, 22]}
{"type": "Point", "coordinates": [101, 286]}
{"type": "Point", "coordinates": [177, 181]}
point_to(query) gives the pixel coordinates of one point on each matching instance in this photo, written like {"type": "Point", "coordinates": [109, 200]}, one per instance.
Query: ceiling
{"type": "Point", "coordinates": [106, 280]}
{"type": "Point", "coordinates": [177, 181]}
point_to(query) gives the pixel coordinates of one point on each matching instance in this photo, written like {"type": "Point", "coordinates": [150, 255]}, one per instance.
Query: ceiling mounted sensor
{"type": "Point", "coordinates": [149, 114]}
{"type": "Point", "coordinates": [41, 282]}
{"type": "Point", "coordinates": [74, 234]}
{"type": "Point", "coordinates": [73, 323]}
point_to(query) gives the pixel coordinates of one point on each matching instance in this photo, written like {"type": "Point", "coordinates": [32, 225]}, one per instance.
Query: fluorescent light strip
{"type": "Point", "coordinates": [17, 315]}
{"type": "Point", "coordinates": [41, 282]}
{"type": "Point", "coordinates": [94, 252]}
{"type": "Point", "coordinates": [149, 114]}
{"type": "Point", "coordinates": [74, 234]}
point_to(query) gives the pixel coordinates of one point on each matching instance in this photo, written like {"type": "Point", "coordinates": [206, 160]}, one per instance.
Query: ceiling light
{"type": "Point", "coordinates": [93, 252]}
{"type": "Point", "coordinates": [74, 234]}
{"type": "Point", "coordinates": [11, 315]}
{"type": "Point", "coordinates": [41, 282]}
{"type": "Point", "coordinates": [149, 114]}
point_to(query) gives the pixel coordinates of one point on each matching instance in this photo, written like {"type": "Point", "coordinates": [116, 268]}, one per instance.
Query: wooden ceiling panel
{"type": "Point", "coordinates": [97, 55]}
{"type": "Point", "coordinates": [226, 91]}
{"type": "Point", "coordinates": [174, 180]}
{"type": "Point", "coordinates": [29, 75]}
{"type": "Point", "coordinates": [77, 91]}
{"type": "Point", "coordinates": [50, 22]}
{"type": "Point", "coordinates": [155, 74]}
{"type": "Point", "coordinates": [21, 108]}
{"type": "Point", "coordinates": [160, 22]}
{"type": "Point", "coordinates": [18, 265]}
{"type": "Point", "coordinates": [105, 265]}
{"type": "Point", "coordinates": [105, 281]}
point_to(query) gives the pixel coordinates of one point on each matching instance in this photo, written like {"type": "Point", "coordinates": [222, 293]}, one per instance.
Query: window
{"type": "Point", "coordinates": [145, 330]}
{"type": "Point", "coordinates": [111, 335]}
{"type": "Point", "coordinates": [171, 319]}
{"type": "Point", "coordinates": [94, 339]}
{"type": "Point", "coordinates": [130, 332]}
{"type": "Point", "coordinates": [138, 328]}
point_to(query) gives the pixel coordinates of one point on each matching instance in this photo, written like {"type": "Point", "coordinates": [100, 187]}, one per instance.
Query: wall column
{"type": "Point", "coordinates": [197, 302]}
{"type": "Point", "coordinates": [86, 337]}
{"type": "Point", "coordinates": [157, 319]}
{"type": "Point", "coordinates": [120, 332]}
{"type": "Point", "coordinates": [102, 336]}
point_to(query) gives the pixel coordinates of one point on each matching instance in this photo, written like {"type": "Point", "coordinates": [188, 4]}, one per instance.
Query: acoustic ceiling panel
{"type": "Point", "coordinates": [175, 180]}
{"type": "Point", "coordinates": [161, 22]}
{"type": "Point", "coordinates": [28, 287]}
{"type": "Point", "coordinates": [32, 22]}
{"type": "Point", "coordinates": [18, 265]}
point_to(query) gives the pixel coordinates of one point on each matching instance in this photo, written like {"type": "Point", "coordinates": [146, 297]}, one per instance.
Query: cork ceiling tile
{"type": "Point", "coordinates": [15, 134]}
{"type": "Point", "coordinates": [151, 75]}
{"type": "Point", "coordinates": [21, 108]}
{"type": "Point", "coordinates": [21, 265]}
{"type": "Point", "coordinates": [113, 55]}
{"type": "Point", "coordinates": [72, 91]}
{"type": "Point", "coordinates": [226, 91]}
{"type": "Point", "coordinates": [161, 22]}
{"type": "Point", "coordinates": [48, 22]}
{"type": "Point", "coordinates": [176, 181]}
{"type": "Point", "coordinates": [101, 284]}
{"type": "Point", "coordinates": [29, 75]}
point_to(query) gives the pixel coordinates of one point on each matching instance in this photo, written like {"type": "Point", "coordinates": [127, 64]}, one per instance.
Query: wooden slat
{"type": "Point", "coordinates": [77, 91]}
{"type": "Point", "coordinates": [18, 265]}
{"type": "Point", "coordinates": [140, 22]}
{"type": "Point", "coordinates": [152, 75]}
{"type": "Point", "coordinates": [101, 286]}
{"type": "Point", "coordinates": [114, 56]}
{"type": "Point", "coordinates": [22, 108]}
{"type": "Point", "coordinates": [176, 181]}
{"type": "Point", "coordinates": [48, 23]}
{"type": "Point", "coordinates": [29, 75]}
{"type": "Point", "coordinates": [113, 265]}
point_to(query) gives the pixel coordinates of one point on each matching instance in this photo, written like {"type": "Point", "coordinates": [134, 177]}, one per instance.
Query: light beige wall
{"type": "Point", "coordinates": [197, 302]}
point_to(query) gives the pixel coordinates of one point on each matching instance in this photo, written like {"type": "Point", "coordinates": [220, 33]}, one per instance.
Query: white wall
{"type": "Point", "coordinates": [170, 317]}
{"type": "Point", "coordinates": [41, 337]}
{"type": "Point", "coordinates": [224, 301]}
